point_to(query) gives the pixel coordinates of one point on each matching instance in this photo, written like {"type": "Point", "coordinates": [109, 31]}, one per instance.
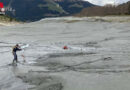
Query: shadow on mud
{"type": "Point", "coordinates": [40, 81]}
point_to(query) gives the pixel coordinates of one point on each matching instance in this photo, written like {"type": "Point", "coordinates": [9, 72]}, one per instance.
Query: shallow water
{"type": "Point", "coordinates": [97, 57]}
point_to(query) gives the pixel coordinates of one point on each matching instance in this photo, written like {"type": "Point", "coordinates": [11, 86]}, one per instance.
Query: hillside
{"type": "Point", "coordinates": [73, 6]}
{"type": "Point", "coordinates": [32, 10]}
{"type": "Point", "coordinates": [122, 9]}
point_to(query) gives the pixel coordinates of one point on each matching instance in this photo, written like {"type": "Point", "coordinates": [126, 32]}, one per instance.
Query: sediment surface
{"type": "Point", "coordinates": [97, 58]}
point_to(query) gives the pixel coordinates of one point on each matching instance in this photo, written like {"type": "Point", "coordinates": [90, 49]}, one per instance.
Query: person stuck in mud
{"type": "Point", "coordinates": [14, 50]}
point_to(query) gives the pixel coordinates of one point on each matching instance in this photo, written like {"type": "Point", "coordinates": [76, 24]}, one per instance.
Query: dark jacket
{"type": "Point", "coordinates": [15, 49]}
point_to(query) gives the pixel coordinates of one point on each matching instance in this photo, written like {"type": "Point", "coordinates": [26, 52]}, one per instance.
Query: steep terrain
{"type": "Point", "coordinates": [73, 6]}
{"type": "Point", "coordinates": [32, 10]}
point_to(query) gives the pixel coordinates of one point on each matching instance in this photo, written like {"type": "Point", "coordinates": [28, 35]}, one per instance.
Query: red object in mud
{"type": "Point", "coordinates": [1, 5]}
{"type": "Point", "coordinates": [65, 47]}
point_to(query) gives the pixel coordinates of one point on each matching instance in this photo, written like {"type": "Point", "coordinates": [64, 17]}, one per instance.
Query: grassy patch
{"type": "Point", "coordinates": [5, 18]}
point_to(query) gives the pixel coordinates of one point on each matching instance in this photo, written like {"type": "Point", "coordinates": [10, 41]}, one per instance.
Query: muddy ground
{"type": "Point", "coordinates": [97, 58]}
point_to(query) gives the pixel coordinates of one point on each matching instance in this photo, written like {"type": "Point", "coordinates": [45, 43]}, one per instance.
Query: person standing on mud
{"type": "Point", "coordinates": [14, 50]}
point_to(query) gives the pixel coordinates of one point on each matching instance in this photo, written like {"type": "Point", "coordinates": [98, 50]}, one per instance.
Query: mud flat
{"type": "Point", "coordinates": [97, 57]}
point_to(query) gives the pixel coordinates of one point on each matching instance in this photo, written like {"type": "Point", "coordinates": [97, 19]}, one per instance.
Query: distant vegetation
{"type": "Point", "coordinates": [122, 9]}
{"type": "Point", "coordinates": [33, 10]}
{"type": "Point", "coordinates": [4, 18]}
{"type": "Point", "coordinates": [73, 6]}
